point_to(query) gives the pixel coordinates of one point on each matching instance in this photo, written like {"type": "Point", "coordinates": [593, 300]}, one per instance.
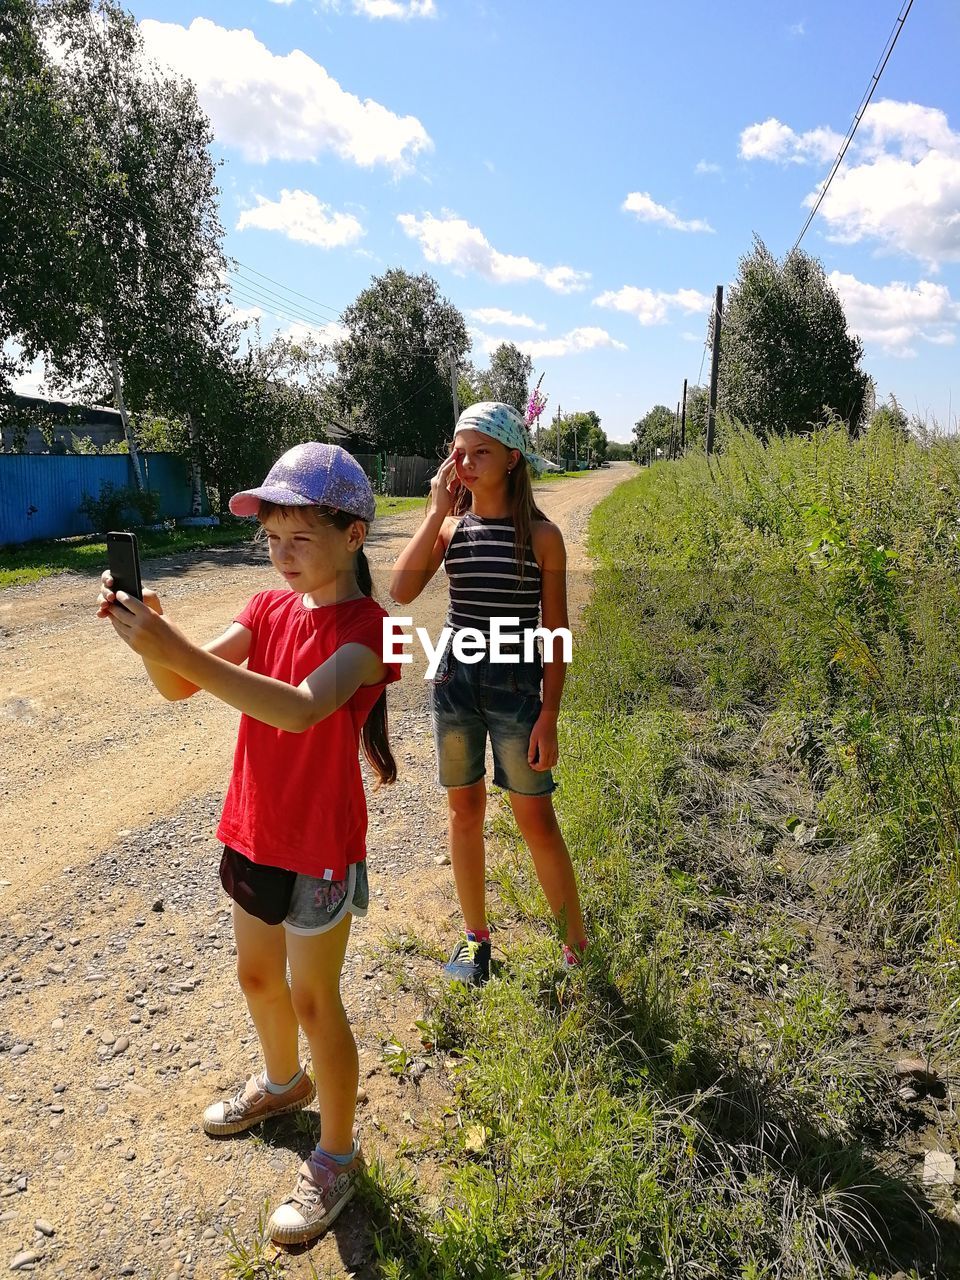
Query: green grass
{"type": "Point", "coordinates": [393, 506]}
{"type": "Point", "coordinates": [551, 477]}
{"type": "Point", "coordinates": [87, 555]}
{"type": "Point", "coordinates": [696, 1100]}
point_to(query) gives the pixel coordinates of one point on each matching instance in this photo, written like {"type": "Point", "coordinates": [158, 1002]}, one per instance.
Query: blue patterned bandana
{"type": "Point", "coordinates": [500, 422]}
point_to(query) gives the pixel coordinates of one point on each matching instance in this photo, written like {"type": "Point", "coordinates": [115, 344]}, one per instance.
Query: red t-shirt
{"type": "Point", "coordinates": [296, 800]}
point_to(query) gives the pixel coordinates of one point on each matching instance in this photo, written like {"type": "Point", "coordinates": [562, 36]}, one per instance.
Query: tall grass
{"type": "Point", "coordinates": [816, 581]}
{"type": "Point", "coordinates": [697, 1100]}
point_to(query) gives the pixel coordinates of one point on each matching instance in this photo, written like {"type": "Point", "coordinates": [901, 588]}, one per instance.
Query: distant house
{"type": "Point", "coordinates": [101, 426]}
{"type": "Point", "coordinates": [352, 441]}
{"type": "Point", "coordinates": [96, 423]}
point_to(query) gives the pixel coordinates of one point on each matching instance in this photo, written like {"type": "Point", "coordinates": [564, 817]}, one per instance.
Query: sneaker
{"type": "Point", "coordinates": [323, 1188]}
{"type": "Point", "coordinates": [469, 963]}
{"type": "Point", "coordinates": [253, 1104]}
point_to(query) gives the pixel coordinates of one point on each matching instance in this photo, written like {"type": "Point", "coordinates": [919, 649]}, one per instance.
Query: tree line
{"type": "Point", "coordinates": [114, 275]}
{"type": "Point", "coordinates": [787, 360]}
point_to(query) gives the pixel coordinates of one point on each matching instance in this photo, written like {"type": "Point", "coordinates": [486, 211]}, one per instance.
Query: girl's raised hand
{"type": "Point", "coordinates": [147, 632]}
{"type": "Point", "coordinates": [444, 485]}
{"type": "Point", "coordinates": [107, 597]}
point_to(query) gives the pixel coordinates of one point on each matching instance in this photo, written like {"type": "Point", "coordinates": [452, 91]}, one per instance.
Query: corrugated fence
{"type": "Point", "coordinates": [40, 492]}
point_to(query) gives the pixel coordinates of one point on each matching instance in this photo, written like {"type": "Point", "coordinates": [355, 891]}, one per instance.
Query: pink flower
{"type": "Point", "coordinates": [536, 406]}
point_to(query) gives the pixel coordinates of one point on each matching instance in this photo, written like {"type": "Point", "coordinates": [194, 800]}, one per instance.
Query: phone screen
{"type": "Point", "coordinates": [123, 558]}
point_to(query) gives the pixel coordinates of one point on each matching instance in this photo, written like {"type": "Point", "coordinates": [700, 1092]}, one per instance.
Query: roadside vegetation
{"type": "Point", "coordinates": [88, 556]}
{"type": "Point", "coordinates": [759, 775]}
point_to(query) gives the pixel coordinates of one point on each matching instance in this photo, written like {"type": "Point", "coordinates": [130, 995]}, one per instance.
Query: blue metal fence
{"type": "Point", "coordinates": [40, 492]}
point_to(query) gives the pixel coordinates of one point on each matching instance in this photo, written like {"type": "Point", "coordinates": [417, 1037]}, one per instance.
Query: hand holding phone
{"type": "Point", "coordinates": [123, 557]}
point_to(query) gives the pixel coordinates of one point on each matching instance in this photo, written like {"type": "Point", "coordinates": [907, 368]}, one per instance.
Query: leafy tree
{"type": "Point", "coordinates": [654, 429]}
{"type": "Point", "coordinates": [619, 451]}
{"type": "Point", "coordinates": [580, 436]}
{"type": "Point", "coordinates": [508, 378]}
{"type": "Point", "coordinates": [469, 385]}
{"type": "Point", "coordinates": [110, 256]}
{"type": "Point", "coordinates": [890, 416]}
{"type": "Point", "coordinates": [787, 361]}
{"type": "Point", "coordinates": [393, 381]}
{"type": "Point", "coordinates": [698, 399]}
{"type": "Point", "coordinates": [250, 405]}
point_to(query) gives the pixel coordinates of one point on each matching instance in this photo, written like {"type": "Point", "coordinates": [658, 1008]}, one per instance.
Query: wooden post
{"type": "Point", "coordinates": [714, 369]}
{"type": "Point", "coordinates": [675, 434]}
{"type": "Point", "coordinates": [683, 420]}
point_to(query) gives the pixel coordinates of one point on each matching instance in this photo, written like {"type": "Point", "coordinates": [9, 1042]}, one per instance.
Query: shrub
{"type": "Point", "coordinates": [108, 510]}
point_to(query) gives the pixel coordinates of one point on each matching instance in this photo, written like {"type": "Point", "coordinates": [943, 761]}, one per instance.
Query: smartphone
{"type": "Point", "coordinates": [123, 559]}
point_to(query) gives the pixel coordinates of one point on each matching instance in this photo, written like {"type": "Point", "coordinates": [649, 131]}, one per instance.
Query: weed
{"type": "Point", "coordinates": [257, 1260]}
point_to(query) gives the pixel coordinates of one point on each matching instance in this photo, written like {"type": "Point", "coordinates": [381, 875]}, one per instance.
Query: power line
{"type": "Point", "coordinates": [271, 295]}
{"type": "Point", "coordinates": [80, 180]}
{"type": "Point", "coordinates": [884, 58]}
{"type": "Point", "coordinates": [287, 288]}
{"type": "Point", "coordinates": [864, 103]}
{"type": "Point", "coordinates": [248, 292]}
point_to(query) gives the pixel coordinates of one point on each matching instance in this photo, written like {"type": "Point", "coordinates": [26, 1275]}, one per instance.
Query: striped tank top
{"type": "Point", "coordinates": [485, 583]}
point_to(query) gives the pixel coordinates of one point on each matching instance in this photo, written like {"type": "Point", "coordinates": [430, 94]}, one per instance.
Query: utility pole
{"type": "Point", "coordinates": [675, 434]}
{"type": "Point", "coordinates": [575, 443]}
{"type": "Point", "coordinates": [714, 368]}
{"type": "Point", "coordinates": [683, 420]}
{"type": "Point", "coordinates": [558, 435]}
{"type": "Point", "coordinates": [453, 385]}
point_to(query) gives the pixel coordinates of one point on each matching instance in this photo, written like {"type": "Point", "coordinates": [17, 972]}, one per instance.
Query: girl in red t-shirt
{"type": "Point", "coordinates": [294, 821]}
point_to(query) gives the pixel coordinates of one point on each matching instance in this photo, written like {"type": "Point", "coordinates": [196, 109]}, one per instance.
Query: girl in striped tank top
{"type": "Point", "coordinates": [504, 560]}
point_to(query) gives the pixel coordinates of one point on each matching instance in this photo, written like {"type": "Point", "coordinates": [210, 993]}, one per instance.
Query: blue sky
{"type": "Point", "coordinates": [578, 179]}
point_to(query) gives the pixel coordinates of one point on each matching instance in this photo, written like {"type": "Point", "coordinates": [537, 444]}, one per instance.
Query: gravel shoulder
{"type": "Point", "coordinates": [119, 1012]}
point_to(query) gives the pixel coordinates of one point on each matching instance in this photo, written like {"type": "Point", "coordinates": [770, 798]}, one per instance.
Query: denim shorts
{"type": "Point", "coordinates": [472, 700]}
{"type": "Point", "coordinates": [317, 906]}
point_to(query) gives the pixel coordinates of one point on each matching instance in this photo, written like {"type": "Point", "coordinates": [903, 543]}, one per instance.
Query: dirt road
{"type": "Point", "coordinates": [119, 1014]}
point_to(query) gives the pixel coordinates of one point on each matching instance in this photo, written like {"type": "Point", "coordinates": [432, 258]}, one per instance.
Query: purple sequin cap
{"type": "Point", "coordinates": [320, 475]}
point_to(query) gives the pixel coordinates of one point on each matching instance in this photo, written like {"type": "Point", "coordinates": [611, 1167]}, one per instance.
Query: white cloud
{"type": "Point", "coordinates": [899, 184]}
{"type": "Point", "coordinates": [396, 8]}
{"type": "Point", "coordinates": [30, 381]}
{"type": "Point", "coordinates": [896, 315]}
{"type": "Point", "coordinates": [244, 315]}
{"type": "Point", "coordinates": [647, 210]}
{"type": "Point", "coordinates": [707, 166]}
{"type": "Point", "coordinates": [587, 338]}
{"type": "Point", "coordinates": [402, 9]}
{"type": "Point", "coordinates": [797, 29]}
{"type": "Point", "coordinates": [774, 141]}
{"type": "Point", "coordinates": [903, 189]}
{"type": "Point", "coordinates": [496, 315]}
{"type": "Point", "coordinates": [455, 243]}
{"type": "Point", "coordinates": [654, 306]}
{"type": "Point", "coordinates": [299, 215]}
{"type": "Point", "coordinates": [281, 1]}
{"type": "Point", "coordinates": [328, 333]}
{"type": "Point", "coordinates": [280, 107]}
